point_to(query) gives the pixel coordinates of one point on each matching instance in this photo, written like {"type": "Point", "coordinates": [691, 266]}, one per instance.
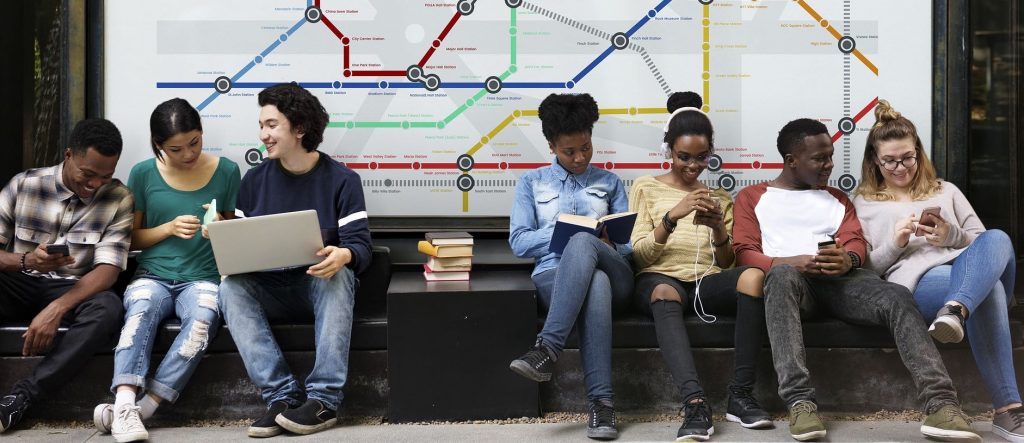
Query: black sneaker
{"type": "Point", "coordinates": [12, 407]}
{"type": "Point", "coordinates": [696, 422]}
{"type": "Point", "coordinates": [743, 409]}
{"type": "Point", "coordinates": [535, 364]}
{"type": "Point", "coordinates": [265, 426]}
{"type": "Point", "coordinates": [602, 421]}
{"type": "Point", "coordinates": [312, 416]}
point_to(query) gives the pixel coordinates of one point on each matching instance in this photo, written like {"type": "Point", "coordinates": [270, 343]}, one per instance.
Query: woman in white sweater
{"type": "Point", "coordinates": [961, 274]}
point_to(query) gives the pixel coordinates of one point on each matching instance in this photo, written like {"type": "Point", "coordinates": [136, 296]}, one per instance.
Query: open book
{"type": "Point", "coordinates": [619, 226]}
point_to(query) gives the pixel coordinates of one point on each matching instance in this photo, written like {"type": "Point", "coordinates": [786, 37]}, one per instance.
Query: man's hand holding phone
{"type": "Point", "coordinates": [42, 260]}
{"type": "Point", "coordinates": [832, 259]}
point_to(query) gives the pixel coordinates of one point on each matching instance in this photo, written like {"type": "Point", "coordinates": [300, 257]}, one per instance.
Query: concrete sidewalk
{"type": "Point", "coordinates": [838, 431]}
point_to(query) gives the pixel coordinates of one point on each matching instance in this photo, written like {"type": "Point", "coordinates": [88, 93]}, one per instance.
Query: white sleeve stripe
{"type": "Point", "coordinates": [351, 218]}
{"type": "Point", "coordinates": [239, 213]}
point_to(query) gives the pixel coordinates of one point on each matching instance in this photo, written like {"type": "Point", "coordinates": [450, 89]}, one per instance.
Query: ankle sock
{"type": "Point", "coordinates": [123, 398]}
{"type": "Point", "coordinates": [147, 406]}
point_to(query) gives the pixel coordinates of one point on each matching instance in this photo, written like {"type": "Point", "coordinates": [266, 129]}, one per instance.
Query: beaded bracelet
{"type": "Point", "coordinates": [24, 268]}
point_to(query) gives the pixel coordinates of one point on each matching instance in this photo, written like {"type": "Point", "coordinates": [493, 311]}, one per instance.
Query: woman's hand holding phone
{"type": "Point", "coordinates": [904, 227]}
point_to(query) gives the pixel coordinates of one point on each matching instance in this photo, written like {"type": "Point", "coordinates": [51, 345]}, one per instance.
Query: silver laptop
{"type": "Point", "coordinates": [266, 242]}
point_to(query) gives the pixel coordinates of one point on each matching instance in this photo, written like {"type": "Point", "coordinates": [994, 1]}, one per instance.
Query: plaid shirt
{"type": "Point", "coordinates": [36, 207]}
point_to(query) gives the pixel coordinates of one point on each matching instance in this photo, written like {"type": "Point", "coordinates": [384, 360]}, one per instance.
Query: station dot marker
{"type": "Point", "coordinates": [503, 165]}
{"type": "Point", "coordinates": [258, 59]}
{"type": "Point", "coordinates": [705, 46]}
{"type": "Point", "coordinates": [632, 111]}
{"type": "Point", "coordinates": [512, 69]}
{"type": "Point", "coordinates": [570, 84]}
{"type": "Point", "coordinates": [283, 38]}
{"type": "Point", "coordinates": [665, 165]}
{"type": "Point", "coordinates": [705, 22]}
{"type": "Point", "coordinates": [824, 23]}
{"type": "Point", "coordinates": [415, 165]}
{"type": "Point", "coordinates": [756, 164]}
{"type": "Point", "coordinates": [705, 108]}
{"type": "Point", "coordinates": [436, 44]}
{"type": "Point", "coordinates": [350, 124]}
{"type": "Point", "coordinates": [383, 84]}
{"type": "Point", "coordinates": [706, 75]}
{"type": "Point", "coordinates": [652, 13]}
{"type": "Point", "coordinates": [609, 165]}
{"type": "Point", "coordinates": [336, 85]}
{"type": "Point", "coordinates": [345, 41]}
{"type": "Point", "coordinates": [469, 102]}
{"type": "Point", "coordinates": [373, 165]}
{"type": "Point", "coordinates": [440, 125]}
{"type": "Point", "coordinates": [347, 73]}
{"type": "Point", "coordinates": [517, 113]}
{"type": "Point", "coordinates": [512, 31]}
{"type": "Point", "coordinates": [405, 124]}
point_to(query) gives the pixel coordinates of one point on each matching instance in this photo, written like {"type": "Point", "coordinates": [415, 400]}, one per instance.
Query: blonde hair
{"type": "Point", "coordinates": [891, 125]}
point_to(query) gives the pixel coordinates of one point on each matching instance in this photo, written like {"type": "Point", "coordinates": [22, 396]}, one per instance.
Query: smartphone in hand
{"type": "Point", "coordinates": [61, 249]}
{"type": "Point", "coordinates": [929, 217]}
{"type": "Point", "coordinates": [827, 244]}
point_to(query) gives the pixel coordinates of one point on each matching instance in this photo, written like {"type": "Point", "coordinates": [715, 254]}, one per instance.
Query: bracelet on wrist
{"type": "Point", "coordinates": [728, 239]}
{"type": "Point", "coordinates": [24, 267]}
{"type": "Point", "coordinates": [667, 222]}
{"type": "Point", "coordinates": [854, 259]}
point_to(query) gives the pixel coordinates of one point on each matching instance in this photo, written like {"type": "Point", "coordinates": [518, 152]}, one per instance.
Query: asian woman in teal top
{"type": "Point", "coordinates": [177, 274]}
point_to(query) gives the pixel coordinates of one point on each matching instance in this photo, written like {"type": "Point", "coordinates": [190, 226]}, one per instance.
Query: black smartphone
{"type": "Point", "coordinates": [826, 244]}
{"type": "Point", "coordinates": [61, 249]}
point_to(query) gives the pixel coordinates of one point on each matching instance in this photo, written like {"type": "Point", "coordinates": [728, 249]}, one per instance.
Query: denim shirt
{"type": "Point", "coordinates": [543, 193]}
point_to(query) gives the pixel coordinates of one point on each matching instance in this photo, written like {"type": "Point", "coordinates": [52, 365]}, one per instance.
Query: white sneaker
{"type": "Point", "coordinates": [127, 425]}
{"type": "Point", "coordinates": [102, 416]}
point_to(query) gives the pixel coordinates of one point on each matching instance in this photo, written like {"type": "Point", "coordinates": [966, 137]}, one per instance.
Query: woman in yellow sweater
{"type": "Point", "coordinates": [683, 254]}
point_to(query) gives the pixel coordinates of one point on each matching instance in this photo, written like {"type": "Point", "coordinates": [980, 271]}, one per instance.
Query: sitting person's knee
{"type": "Point", "coordinates": [751, 283]}
{"type": "Point", "coordinates": [666, 293]}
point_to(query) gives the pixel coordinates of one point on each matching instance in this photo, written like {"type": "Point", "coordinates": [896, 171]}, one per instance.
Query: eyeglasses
{"type": "Point", "coordinates": [891, 165]}
{"type": "Point", "coordinates": [699, 159]}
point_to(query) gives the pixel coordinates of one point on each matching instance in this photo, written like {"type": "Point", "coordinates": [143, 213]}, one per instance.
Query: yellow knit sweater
{"type": "Point", "coordinates": [651, 199]}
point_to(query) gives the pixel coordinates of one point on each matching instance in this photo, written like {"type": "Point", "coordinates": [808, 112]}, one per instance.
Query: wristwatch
{"type": "Point", "coordinates": [667, 222]}
{"type": "Point", "coordinates": [854, 259]}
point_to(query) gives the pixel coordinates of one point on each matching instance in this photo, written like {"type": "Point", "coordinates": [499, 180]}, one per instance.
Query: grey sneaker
{"type": "Point", "coordinates": [1010, 424]}
{"type": "Point", "coordinates": [127, 425]}
{"type": "Point", "coordinates": [948, 326]}
{"type": "Point", "coordinates": [103, 416]}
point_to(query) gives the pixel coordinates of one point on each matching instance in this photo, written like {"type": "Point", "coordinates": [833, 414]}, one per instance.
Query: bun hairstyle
{"type": "Point", "coordinates": [891, 125]}
{"type": "Point", "coordinates": [686, 119]}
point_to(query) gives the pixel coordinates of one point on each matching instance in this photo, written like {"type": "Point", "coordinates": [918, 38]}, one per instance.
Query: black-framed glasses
{"type": "Point", "coordinates": [891, 165]}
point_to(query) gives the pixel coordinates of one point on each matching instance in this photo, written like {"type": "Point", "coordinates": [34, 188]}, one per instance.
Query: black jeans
{"type": "Point", "coordinates": [91, 325]}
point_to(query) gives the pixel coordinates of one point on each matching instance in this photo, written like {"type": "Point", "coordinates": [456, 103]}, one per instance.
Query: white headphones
{"type": "Point", "coordinates": [665, 149]}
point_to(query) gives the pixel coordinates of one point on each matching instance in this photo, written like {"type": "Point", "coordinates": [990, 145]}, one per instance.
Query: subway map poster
{"type": "Point", "coordinates": [434, 102]}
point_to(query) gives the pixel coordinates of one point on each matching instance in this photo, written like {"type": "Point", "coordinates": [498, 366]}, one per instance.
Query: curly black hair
{"type": "Point", "coordinates": [792, 135]}
{"type": "Point", "coordinates": [688, 123]}
{"type": "Point", "coordinates": [303, 110]}
{"type": "Point", "coordinates": [567, 114]}
{"type": "Point", "coordinates": [170, 118]}
{"type": "Point", "coordinates": [97, 133]}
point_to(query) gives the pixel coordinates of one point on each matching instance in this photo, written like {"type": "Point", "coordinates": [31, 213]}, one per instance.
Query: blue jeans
{"type": "Point", "coordinates": [250, 302]}
{"type": "Point", "coordinates": [981, 279]}
{"type": "Point", "coordinates": [591, 279]}
{"type": "Point", "coordinates": [148, 301]}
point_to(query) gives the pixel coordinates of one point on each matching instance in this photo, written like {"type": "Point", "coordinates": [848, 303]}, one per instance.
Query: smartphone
{"type": "Point", "coordinates": [211, 213]}
{"type": "Point", "coordinates": [928, 218]}
{"type": "Point", "coordinates": [61, 249]}
{"type": "Point", "coordinates": [826, 244]}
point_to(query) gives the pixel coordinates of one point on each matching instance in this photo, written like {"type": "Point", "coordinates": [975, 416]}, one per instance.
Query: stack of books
{"type": "Point", "coordinates": [449, 256]}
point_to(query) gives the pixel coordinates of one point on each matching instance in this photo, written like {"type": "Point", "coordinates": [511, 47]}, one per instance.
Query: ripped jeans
{"type": "Point", "coordinates": [148, 301]}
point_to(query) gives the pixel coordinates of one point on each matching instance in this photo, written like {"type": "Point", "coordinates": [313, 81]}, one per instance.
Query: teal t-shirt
{"type": "Point", "coordinates": [175, 258]}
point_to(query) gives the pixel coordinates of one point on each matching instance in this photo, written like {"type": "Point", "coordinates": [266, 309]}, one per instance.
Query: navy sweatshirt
{"type": "Point", "coordinates": [331, 188]}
